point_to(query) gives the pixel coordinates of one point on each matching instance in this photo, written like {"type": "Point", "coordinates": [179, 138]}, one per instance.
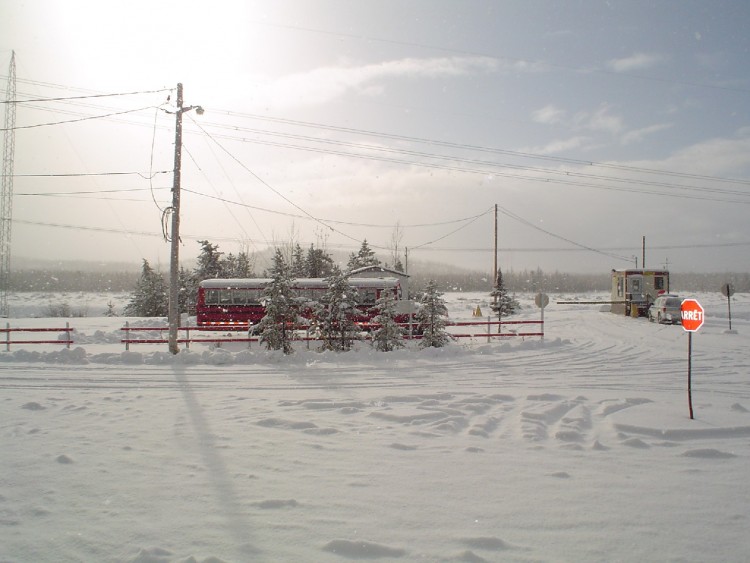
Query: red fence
{"type": "Point", "coordinates": [159, 335]}
{"type": "Point", "coordinates": [499, 324]}
{"type": "Point", "coordinates": [249, 338]}
{"type": "Point", "coordinates": [10, 331]}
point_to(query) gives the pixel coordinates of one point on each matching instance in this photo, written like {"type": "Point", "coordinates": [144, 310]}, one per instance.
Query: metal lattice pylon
{"type": "Point", "coordinates": [6, 198]}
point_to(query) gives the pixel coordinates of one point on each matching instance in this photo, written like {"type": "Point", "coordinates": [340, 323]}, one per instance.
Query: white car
{"type": "Point", "coordinates": [666, 309]}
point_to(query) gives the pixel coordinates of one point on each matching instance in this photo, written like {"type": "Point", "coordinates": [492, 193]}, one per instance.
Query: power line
{"type": "Point", "coordinates": [517, 61]}
{"type": "Point", "coordinates": [565, 173]}
{"type": "Point", "coordinates": [87, 192]}
{"type": "Point", "coordinates": [65, 98]}
{"type": "Point", "coordinates": [76, 174]}
{"type": "Point", "coordinates": [266, 184]}
{"type": "Point", "coordinates": [486, 171]}
{"type": "Point", "coordinates": [343, 246]}
{"type": "Point", "coordinates": [333, 221]}
{"type": "Point", "coordinates": [562, 238]}
{"type": "Point", "coordinates": [468, 147]}
{"type": "Point", "coordinates": [81, 119]}
{"type": "Point", "coordinates": [480, 148]}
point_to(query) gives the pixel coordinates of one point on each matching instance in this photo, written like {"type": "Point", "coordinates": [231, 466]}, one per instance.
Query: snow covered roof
{"type": "Point", "coordinates": [382, 269]}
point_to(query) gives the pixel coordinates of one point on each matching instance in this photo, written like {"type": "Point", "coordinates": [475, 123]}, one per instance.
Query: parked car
{"type": "Point", "coordinates": [666, 309]}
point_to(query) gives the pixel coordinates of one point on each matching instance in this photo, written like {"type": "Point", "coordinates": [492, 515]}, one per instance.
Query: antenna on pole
{"type": "Point", "coordinates": [6, 197]}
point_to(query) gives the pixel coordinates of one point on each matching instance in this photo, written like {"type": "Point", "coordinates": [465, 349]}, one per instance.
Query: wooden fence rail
{"type": "Point", "coordinates": [10, 331]}
{"type": "Point", "coordinates": [249, 338]}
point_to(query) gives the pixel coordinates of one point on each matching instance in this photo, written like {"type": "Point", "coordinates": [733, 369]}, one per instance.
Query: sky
{"type": "Point", "coordinates": [597, 130]}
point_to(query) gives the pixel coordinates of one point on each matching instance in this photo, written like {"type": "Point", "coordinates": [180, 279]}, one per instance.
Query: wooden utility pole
{"type": "Point", "coordinates": [494, 284]}
{"type": "Point", "coordinates": [174, 255]}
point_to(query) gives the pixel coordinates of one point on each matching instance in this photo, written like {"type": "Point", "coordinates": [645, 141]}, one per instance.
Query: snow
{"type": "Point", "coordinates": [575, 448]}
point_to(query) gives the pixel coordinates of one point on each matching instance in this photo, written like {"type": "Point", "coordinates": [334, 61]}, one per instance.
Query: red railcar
{"type": "Point", "coordinates": [240, 301]}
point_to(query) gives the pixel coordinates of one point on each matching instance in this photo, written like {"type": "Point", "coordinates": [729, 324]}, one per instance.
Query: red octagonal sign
{"type": "Point", "coordinates": [691, 313]}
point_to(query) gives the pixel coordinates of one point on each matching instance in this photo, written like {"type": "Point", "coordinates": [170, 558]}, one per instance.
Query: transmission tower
{"type": "Point", "coordinates": [6, 198]}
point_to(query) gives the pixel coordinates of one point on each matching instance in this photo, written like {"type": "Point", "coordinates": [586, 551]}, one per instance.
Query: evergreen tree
{"type": "Point", "coordinates": [431, 317]}
{"type": "Point", "coordinates": [188, 285]}
{"type": "Point", "coordinates": [209, 261]}
{"type": "Point", "coordinates": [503, 304]}
{"type": "Point", "coordinates": [334, 314]}
{"type": "Point", "coordinates": [318, 263]}
{"type": "Point", "coordinates": [364, 257]}
{"type": "Point", "coordinates": [110, 312]}
{"type": "Point", "coordinates": [150, 296]}
{"type": "Point", "coordinates": [276, 328]}
{"type": "Point", "coordinates": [231, 266]}
{"type": "Point", "coordinates": [389, 335]}
{"type": "Point", "coordinates": [298, 269]}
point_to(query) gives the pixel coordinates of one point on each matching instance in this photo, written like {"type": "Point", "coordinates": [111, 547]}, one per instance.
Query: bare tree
{"type": "Point", "coordinates": [396, 237]}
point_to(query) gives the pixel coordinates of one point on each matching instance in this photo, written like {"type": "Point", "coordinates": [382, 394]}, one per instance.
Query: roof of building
{"type": "Point", "coordinates": [382, 269]}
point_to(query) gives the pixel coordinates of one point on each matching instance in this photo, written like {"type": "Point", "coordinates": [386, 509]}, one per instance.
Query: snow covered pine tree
{"type": "Point", "coordinates": [503, 304]}
{"type": "Point", "coordinates": [431, 317]}
{"type": "Point", "coordinates": [389, 335]}
{"type": "Point", "coordinates": [150, 296]}
{"type": "Point", "coordinates": [281, 308]}
{"type": "Point", "coordinates": [335, 312]}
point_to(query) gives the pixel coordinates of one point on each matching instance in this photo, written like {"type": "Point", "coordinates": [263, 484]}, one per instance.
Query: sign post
{"type": "Point", "coordinates": [727, 291]}
{"type": "Point", "coordinates": [692, 315]}
{"type": "Point", "coordinates": [542, 300]}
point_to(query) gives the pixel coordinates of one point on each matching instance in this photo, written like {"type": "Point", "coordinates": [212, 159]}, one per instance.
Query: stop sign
{"type": "Point", "coordinates": [691, 313]}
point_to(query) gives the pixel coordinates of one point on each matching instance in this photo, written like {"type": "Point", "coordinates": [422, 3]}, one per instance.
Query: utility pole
{"type": "Point", "coordinates": [494, 284]}
{"type": "Point", "coordinates": [174, 256]}
{"type": "Point", "coordinates": [6, 196]}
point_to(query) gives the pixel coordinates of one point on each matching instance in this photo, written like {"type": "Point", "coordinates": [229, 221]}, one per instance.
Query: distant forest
{"type": "Point", "coordinates": [448, 279]}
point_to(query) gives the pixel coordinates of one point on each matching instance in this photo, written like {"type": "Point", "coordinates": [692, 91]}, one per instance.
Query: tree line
{"type": "Point", "coordinates": [149, 299]}
{"type": "Point", "coordinates": [332, 317]}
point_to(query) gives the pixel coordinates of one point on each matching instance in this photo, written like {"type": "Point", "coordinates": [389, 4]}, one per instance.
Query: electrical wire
{"type": "Point", "coordinates": [333, 221]}
{"type": "Point", "coordinates": [76, 120]}
{"type": "Point", "coordinates": [559, 237]}
{"type": "Point", "coordinates": [74, 174]}
{"type": "Point", "coordinates": [525, 63]}
{"type": "Point", "coordinates": [480, 148]}
{"type": "Point", "coordinates": [342, 246]}
{"type": "Point", "coordinates": [564, 173]}
{"type": "Point", "coordinates": [85, 192]}
{"type": "Point", "coordinates": [37, 100]}
{"type": "Point", "coordinates": [274, 190]}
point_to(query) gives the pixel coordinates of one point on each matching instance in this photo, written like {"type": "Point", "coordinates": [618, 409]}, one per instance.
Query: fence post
{"type": "Point", "coordinates": [7, 338]}
{"type": "Point", "coordinates": [127, 336]}
{"type": "Point", "coordinates": [489, 328]}
{"type": "Point", "coordinates": [187, 334]}
{"type": "Point", "coordinates": [67, 334]}
{"type": "Point", "coordinates": [249, 335]}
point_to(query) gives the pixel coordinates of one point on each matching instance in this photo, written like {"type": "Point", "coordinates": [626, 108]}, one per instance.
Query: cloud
{"type": "Point", "coordinates": [637, 135]}
{"type": "Point", "coordinates": [637, 61]}
{"type": "Point", "coordinates": [326, 84]}
{"type": "Point", "coordinates": [600, 121]}
{"type": "Point", "coordinates": [558, 146]}
{"type": "Point", "coordinates": [549, 114]}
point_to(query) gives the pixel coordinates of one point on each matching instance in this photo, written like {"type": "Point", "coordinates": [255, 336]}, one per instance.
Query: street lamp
{"type": "Point", "coordinates": [174, 259]}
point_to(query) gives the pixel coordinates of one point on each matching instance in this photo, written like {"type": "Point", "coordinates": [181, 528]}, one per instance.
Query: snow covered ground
{"type": "Point", "coordinates": [577, 448]}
